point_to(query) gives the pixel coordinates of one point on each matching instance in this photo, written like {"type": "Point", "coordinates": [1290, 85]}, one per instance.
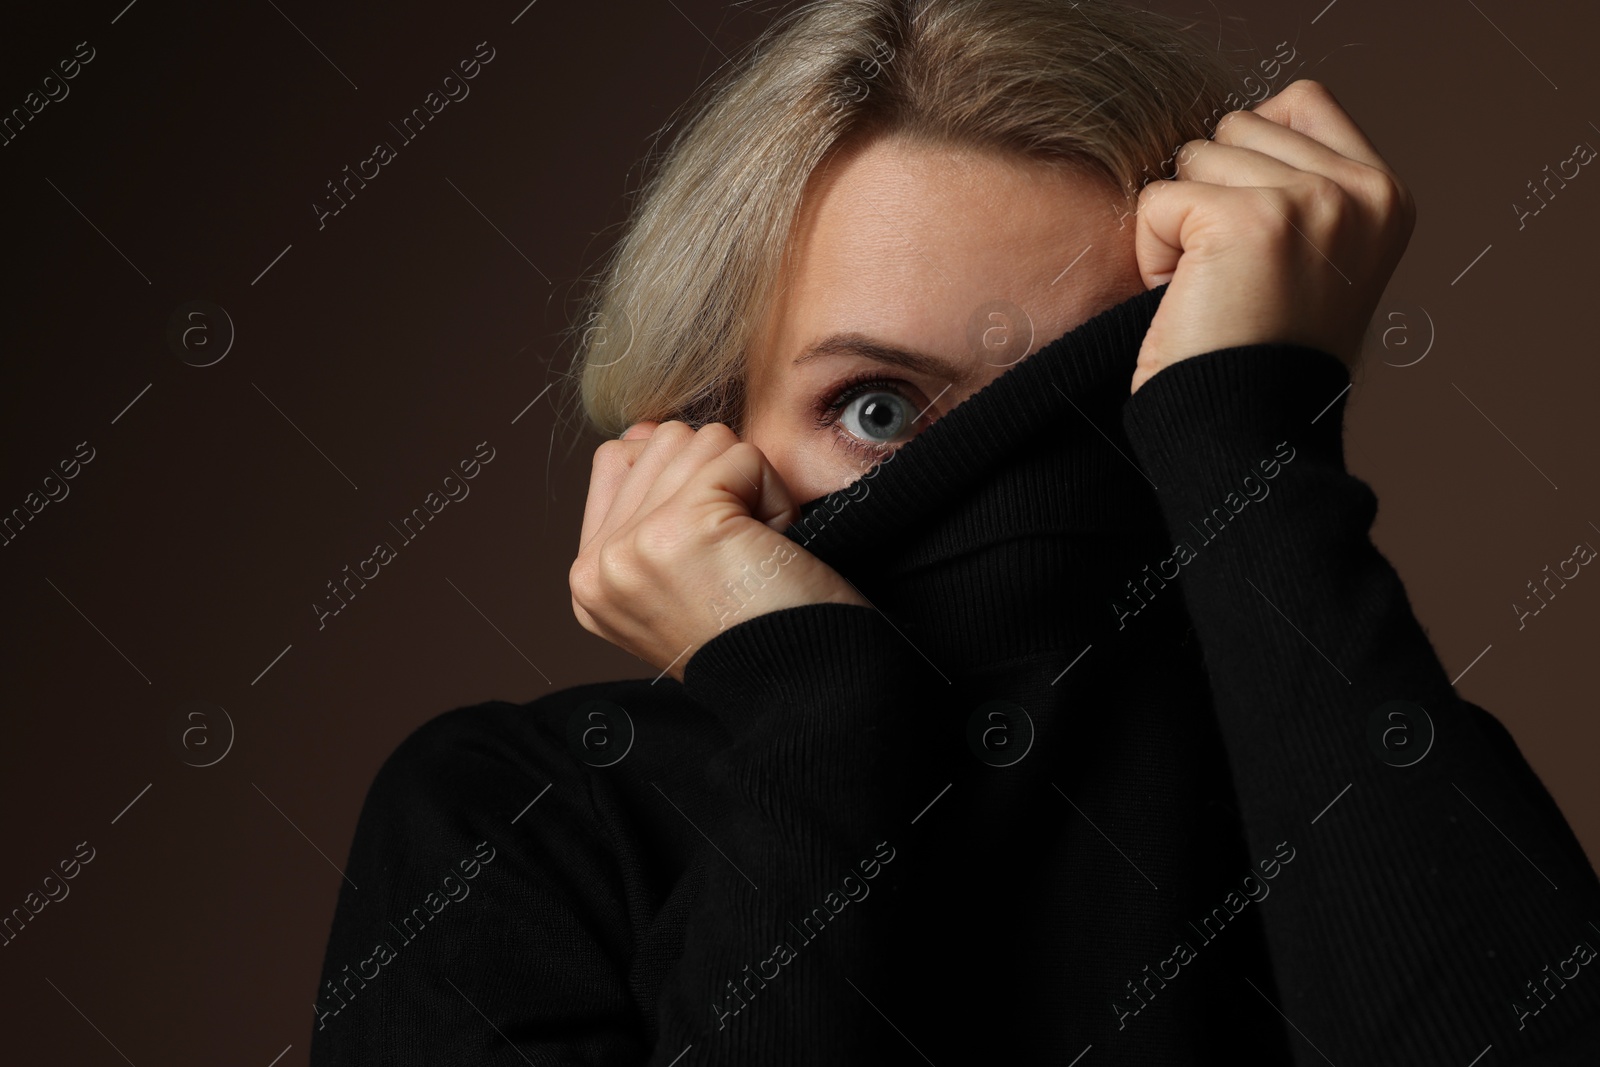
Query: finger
{"type": "Point", "coordinates": [665, 442]}
{"type": "Point", "coordinates": [1272, 153]}
{"type": "Point", "coordinates": [1308, 107]}
{"type": "Point", "coordinates": [1225, 164]}
{"type": "Point", "coordinates": [639, 431]}
{"type": "Point", "coordinates": [1168, 210]}
{"type": "Point", "coordinates": [742, 476]}
{"type": "Point", "coordinates": [612, 461]}
{"type": "Point", "coordinates": [710, 441]}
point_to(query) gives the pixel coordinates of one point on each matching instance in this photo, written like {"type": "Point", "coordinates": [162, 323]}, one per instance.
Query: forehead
{"type": "Point", "coordinates": [909, 238]}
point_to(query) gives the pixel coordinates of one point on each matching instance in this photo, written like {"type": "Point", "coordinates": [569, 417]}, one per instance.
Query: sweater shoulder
{"type": "Point", "coordinates": [487, 817]}
{"type": "Point", "coordinates": [490, 731]}
{"type": "Point", "coordinates": [486, 762]}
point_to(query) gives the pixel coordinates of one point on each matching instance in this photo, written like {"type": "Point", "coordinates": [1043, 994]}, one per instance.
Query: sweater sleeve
{"type": "Point", "coordinates": [1436, 905]}
{"type": "Point", "coordinates": [793, 874]}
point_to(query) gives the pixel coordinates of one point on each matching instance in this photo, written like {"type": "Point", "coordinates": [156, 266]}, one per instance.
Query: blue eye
{"type": "Point", "coordinates": [871, 414]}
{"type": "Point", "coordinates": [877, 417]}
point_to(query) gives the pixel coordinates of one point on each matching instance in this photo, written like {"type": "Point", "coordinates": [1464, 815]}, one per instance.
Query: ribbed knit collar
{"type": "Point", "coordinates": [1014, 520]}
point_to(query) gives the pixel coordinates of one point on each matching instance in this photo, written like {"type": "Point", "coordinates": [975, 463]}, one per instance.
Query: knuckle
{"type": "Point", "coordinates": [1378, 188]}
{"type": "Point", "coordinates": [719, 433]}
{"type": "Point", "coordinates": [1390, 194]}
{"type": "Point", "coordinates": [1227, 120]}
{"type": "Point", "coordinates": [659, 537]}
{"type": "Point", "coordinates": [1325, 194]}
{"type": "Point", "coordinates": [673, 430]}
{"type": "Point", "coordinates": [1188, 150]}
{"type": "Point", "coordinates": [617, 575]}
{"type": "Point", "coordinates": [1307, 88]}
{"type": "Point", "coordinates": [1316, 202]}
{"type": "Point", "coordinates": [610, 453]}
{"type": "Point", "coordinates": [607, 560]}
{"type": "Point", "coordinates": [581, 580]}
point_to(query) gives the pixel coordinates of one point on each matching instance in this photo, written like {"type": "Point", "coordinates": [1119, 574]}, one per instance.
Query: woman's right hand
{"type": "Point", "coordinates": [682, 537]}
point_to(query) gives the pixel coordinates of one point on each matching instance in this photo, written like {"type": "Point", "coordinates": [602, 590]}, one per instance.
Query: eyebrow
{"type": "Point", "coordinates": [859, 344]}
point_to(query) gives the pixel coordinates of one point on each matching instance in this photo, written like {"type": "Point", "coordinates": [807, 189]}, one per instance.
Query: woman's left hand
{"type": "Point", "coordinates": [1285, 226]}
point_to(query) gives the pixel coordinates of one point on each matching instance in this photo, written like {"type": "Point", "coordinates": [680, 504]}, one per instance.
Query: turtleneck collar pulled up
{"type": "Point", "coordinates": [1013, 523]}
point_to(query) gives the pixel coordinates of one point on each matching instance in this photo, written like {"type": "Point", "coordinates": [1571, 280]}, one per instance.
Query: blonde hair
{"type": "Point", "coordinates": [666, 329]}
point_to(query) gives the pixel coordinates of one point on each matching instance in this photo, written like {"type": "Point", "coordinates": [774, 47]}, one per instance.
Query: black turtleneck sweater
{"type": "Point", "coordinates": [1112, 773]}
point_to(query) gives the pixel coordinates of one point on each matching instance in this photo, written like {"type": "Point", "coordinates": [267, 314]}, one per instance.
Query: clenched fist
{"type": "Point", "coordinates": [1285, 226]}
{"type": "Point", "coordinates": [676, 521]}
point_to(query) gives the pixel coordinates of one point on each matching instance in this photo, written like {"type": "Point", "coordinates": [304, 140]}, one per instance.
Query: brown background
{"type": "Point", "coordinates": [408, 330]}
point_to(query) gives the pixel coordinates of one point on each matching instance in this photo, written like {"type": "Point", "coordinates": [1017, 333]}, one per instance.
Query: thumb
{"type": "Point", "coordinates": [1158, 231]}
{"type": "Point", "coordinates": [743, 472]}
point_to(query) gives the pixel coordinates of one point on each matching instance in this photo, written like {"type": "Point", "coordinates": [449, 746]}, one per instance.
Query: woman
{"type": "Point", "coordinates": [1013, 701]}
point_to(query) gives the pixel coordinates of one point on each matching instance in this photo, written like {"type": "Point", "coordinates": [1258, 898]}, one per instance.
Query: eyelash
{"type": "Point", "coordinates": [835, 401]}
